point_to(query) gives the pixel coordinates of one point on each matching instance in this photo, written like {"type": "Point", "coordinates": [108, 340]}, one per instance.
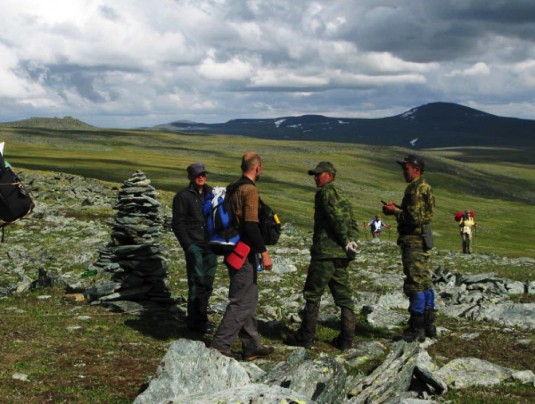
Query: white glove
{"type": "Point", "coordinates": [352, 248]}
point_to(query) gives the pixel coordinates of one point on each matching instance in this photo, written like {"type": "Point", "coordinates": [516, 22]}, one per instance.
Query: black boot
{"type": "Point", "coordinates": [429, 320]}
{"type": "Point", "coordinates": [416, 329]}
{"type": "Point", "coordinates": [344, 340]}
{"type": "Point", "coordinates": [305, 335]}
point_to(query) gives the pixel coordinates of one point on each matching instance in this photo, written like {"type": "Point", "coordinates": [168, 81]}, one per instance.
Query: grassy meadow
{"type": "Point", "coordinates": [109, 357]}
{"type": "Point", "coordinates": [498, 184]}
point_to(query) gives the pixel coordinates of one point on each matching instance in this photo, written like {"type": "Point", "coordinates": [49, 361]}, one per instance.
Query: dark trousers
{"type": "Point", "coordinates": [201, 265]}
{"type": "Point", "coordinates": [239, 319]}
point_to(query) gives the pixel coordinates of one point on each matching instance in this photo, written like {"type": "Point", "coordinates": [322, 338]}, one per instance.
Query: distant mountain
{"type": "Point", "coordinates": [438, 124]}
{"type": "Point", "coordinates": [65, 123]}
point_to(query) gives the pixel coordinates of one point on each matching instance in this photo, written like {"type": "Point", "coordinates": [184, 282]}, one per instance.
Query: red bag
{"type": "Point", "coordinates": [237, 257]}
{"type": "Point", "coordinates": [459, 216]}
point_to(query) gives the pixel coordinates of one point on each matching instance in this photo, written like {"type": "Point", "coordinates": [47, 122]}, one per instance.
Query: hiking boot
{"type": "Point", "coordinates": [227, 352]}
{"type": "Point", "coordinates": [341, 343]}
{"type": "Point", "coordinates": [429, 321]}
{"type": "Point", "coordinates": [262, 352]}
{"type": "Point", "coordinates": [305, 335]}
{"type": "Point", "coordinates": [344, 340]}
{"type": "Point", "coordinates": [415, 331]}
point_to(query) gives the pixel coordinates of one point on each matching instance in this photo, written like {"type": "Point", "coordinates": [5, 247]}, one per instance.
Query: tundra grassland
{"type": "Point", "coordinates": [498, 184]}
{"type": "Point", "coordinates": [76, 352]}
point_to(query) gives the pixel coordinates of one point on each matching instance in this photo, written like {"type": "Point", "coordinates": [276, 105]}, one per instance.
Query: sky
{"type": "Point", "coordinates": [132, 63]}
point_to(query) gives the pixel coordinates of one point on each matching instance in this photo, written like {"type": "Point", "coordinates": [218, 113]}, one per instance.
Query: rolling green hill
{"type": "Point", "coordinates": [65, 123]}
{"type": "Point", "coordinates": [498, 183]}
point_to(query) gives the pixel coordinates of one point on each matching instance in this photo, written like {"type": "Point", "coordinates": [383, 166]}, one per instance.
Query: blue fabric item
{"type": "Point", "coordinates": [429, 298]}
{"type": "Point", "coordinates": [417, 303]}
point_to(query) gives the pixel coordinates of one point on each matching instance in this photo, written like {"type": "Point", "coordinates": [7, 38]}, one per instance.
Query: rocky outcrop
{"type": "Point", "coordinates": [470, 372]}
{"type": "Point", "coordinates": [483, 297]}
{"type": "Point", "coordinates": [192, 373]}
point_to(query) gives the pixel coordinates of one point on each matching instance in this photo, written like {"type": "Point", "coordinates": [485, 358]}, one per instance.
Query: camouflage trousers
{"type": "Point", "coordinates": [415, 259]}
{"type": "Point", "coordinates": [332, 273]}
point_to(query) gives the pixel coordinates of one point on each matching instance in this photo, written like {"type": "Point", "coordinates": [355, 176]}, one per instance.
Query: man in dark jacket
{"type": "Point", "coordinates": [333, 247]}
{"type": "Point", "coordinates": [189, 227]}
{"type": "Point", "coordinates": [415, 240]}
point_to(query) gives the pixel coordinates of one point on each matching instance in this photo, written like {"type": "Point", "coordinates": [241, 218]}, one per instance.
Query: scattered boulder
{"type": "Point", "coordinates": [189, 368]}
{"type": "Point", "coordinates": [322, 380]}
{"type": "Point", "coordinates": [389, 379]}
{"type": "Point", "coordinates": [190, 372]}
{"type": "Point", "coordinates": [509, 314]}
{"type": "Point", "coordinates": [468, 372]}
{"type": "Point", "coordinates": [483, 297]}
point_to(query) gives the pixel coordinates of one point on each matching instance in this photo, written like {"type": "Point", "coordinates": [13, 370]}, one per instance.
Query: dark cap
{"type": "Point", "coordinates": [195, 169]}
{"type": "Point", "coordinates": [414, 160]}
{"type": "Point", "coordinates": [323, 167]}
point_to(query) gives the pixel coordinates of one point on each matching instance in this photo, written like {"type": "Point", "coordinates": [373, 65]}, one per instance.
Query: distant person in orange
{"type": "Point", "coordinates": [467, 226]}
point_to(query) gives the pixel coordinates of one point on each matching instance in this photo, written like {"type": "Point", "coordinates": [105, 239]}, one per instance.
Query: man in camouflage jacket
{"type": "Point", "coordinates": [333, 247]}
{"type": "Point", "coordinates": [415, 240]}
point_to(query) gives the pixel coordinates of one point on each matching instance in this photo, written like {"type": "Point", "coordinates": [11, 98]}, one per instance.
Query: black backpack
{"type": "Point", "coordinates": [15, 199]}
{"type": "Point", "coordinates": [270, 225]}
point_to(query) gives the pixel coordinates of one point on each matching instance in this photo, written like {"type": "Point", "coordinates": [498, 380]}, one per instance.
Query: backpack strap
{"type": "Point", "coordinates": [2, 162]}
{"type": "Point", "coordinates": [3, 225]}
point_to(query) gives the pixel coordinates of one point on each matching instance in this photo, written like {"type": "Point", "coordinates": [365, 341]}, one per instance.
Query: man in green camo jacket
{"type": "Point", "coordinates": [415, 240]}
{"type": "Point", "coordinates": [333, 247]}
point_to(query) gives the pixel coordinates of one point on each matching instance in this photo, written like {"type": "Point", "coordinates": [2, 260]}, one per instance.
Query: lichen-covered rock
{"type": "Point", "coordinates": [189, 368]}
{"type": "Point", "coordinates": [468, 372]}
{"type": "Point", "coordinates": [391, 378]}
{"type": "Point", "coordinates": [322, 380]}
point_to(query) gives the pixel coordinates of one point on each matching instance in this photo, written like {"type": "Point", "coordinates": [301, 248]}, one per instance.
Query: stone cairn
{"type": "Point", "coordinates": [134, 254]}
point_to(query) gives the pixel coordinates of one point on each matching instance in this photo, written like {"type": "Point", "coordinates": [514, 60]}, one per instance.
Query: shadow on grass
{"type": "Point", "coordinates": [162, 324]}
{"type": "Point", "coordinates": [362, 329]}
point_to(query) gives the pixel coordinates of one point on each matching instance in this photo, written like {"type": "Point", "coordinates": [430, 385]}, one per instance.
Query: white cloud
{"type": "Point", "coordinates": [273, 78]}
{"type": "Point", "coordinates": [478, 69]}
{"type": "Point", "coordinates": [234, 69]}
{"type": "Point", "coordinates": [526, 72]}
{"type": "Point", "coordinates": [214, 60]}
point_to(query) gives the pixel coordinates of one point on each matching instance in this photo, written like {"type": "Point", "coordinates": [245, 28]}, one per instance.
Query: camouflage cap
{"type": "Point", "coordinates": [323, 167]}
{"type": "Point", "coordinates": [414, 160]}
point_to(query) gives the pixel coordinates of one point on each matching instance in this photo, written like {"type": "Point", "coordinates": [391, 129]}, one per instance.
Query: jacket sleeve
{"type": "Point", "coordinates": [250, 219]}
{"type": "Point", "coordinates": [340, 217]}
{"type": "Point", "coordinates": [417, 206]}
{"type": "Point", "coordinates": [178, 223]}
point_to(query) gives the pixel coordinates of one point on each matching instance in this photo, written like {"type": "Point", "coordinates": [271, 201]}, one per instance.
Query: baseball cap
{"type": "Point", "coordinates": [195, 169]}
{"type": "Point", "coordinates": [414, 160]}
{"type": "Point", "coordinates": [323, 167]}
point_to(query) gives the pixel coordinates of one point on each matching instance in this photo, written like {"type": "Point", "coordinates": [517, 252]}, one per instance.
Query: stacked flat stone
{"type": "Point", "coordinates": [134, 256]}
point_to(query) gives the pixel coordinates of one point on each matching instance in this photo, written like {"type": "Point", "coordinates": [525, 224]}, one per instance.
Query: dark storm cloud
{"type": "Point", "coordinates": [424, 31]}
